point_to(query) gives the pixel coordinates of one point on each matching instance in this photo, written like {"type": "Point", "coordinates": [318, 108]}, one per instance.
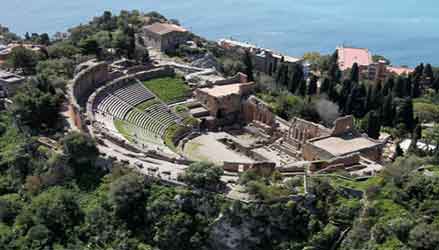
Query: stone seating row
{"type": "Point", "coordinates": [134, 94]}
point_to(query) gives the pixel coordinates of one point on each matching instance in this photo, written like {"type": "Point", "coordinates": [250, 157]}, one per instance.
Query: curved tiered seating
{"type": "Point", "coordinates": [113, 106]}
{"type": "Point", "coordinates": [119, 102]}
{"type": "Point", "coordinates": [134, 94]}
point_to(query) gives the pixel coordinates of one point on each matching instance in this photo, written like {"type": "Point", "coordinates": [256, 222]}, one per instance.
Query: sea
{"type": "Point", "coordinates": [404, 31]}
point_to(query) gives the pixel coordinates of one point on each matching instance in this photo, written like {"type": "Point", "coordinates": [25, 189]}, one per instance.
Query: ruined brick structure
{"type": "Point", "coordinates": [224, 101]}
{"type": "Point", "coordinates": [263, 168]}
{"type": "Point", "coordinates": [301, 130]}
{"type": "Point", "coordinates": [255, 110]}
{"type": "Point", "coordinates": [343, 140]}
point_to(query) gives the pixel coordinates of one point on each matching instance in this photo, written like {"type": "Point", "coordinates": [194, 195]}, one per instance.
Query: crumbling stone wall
{"type": "Point", "coordinates": [343, 125]}
{"type": "Point", "coordinates": [338, 162]}
{"type": "Point", "coordinates": [261, 168]}
{"type": "Point", "coordinates": [254, 109]}
{"type": "Point", "coordinates": [301, 130]}
{"type": "Point", "coordinates": [88, 80]}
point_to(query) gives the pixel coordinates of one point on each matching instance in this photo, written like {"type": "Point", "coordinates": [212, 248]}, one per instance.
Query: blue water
{"type": "Point", "coordinates": [406, 31]}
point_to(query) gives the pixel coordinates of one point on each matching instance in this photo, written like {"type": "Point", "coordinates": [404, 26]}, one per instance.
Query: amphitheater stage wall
{"type": "Point", "coordinates": [261, 168]}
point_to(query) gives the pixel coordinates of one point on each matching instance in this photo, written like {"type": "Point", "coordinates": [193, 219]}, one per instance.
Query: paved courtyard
{"type": "Point", "coordinates": [207, 148]}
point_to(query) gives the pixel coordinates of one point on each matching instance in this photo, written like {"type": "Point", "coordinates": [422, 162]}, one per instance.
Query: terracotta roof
{"type": "Point", "coordinates": [164, 28]}
{"type": "Point", "coordinates": [348, 56]}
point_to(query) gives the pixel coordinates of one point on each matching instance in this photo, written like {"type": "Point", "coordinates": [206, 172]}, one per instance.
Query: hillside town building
{"type": "Point", "coordinates": [9, 83]}
{"type": "Point", "coordinates": [6, 50]}
{"type": "Point", "coordinates": [369, 70]}
{"type": "Point", "coordinates": [164, 37]}
{"type": "Point", "coordinates": [265, 60]}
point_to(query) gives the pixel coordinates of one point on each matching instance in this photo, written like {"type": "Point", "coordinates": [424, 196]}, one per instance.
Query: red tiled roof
{"type": "Point", "coordinates": [164, 28]}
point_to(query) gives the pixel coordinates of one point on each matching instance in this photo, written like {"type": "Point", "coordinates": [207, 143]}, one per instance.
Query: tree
{"type": "Point", "coordinates": [424, 236]}
{"type": "Point", "coordinates": [282, 75]}
{"type": "Point", "coordinates": [388, 86]}
{"type": "Point", "coordinates": [174, 232]}
{"type": "Point", "coordinates": [435, 84]}
{"type": "Point", "coordinates": [373, 125]}
{"type": "Point", "coordinates": [428, 73]}
{"type": "Point", "coordinates": [301, 90]}
{"type": "Point", "coordinates": [405, 114]}
{"type": "Point", "coordinates": [80, 149]}
{"type": "Point", "coordinates": [90, 46]}
{"type": "Point", "coordinates": [312, 87]}
{"type": "Point", "coordinates": [127, 196]}
{"type": "Point", "coordinates": [248, 65]}
{"type": "Point", "coordinates": [400, 89]}
{"type": "Point", "coordinates": [63, 49]}
{"type": "Point", "coordinates": [23, 58]}
{"type": "Point", "coordinates": [44, 39]}
{"type": "Point", "coordinates": [141, 55]}
{"type": "Point", "coordinates": [296, 78]}
{"type": "Point", "coordinates": [388, 111]}
{"type": "Point", "coordinates": [203, 175]}
{"type": "Point", "coordinates": [345, 91]}
{"type": "Point", "coordinates": [56, 209]}
{"type": "Point", "coordinates": [416, 89]}
{"type": "Point", "coordinates": [35, 109]}
{"type": "Point", "coordinates": [355, 73]}
{"type": "Point", "coordinates": [334, 72]}
{"type": "Point", "coordinates": [356, 101]}
{"type": "Point", "coordinates": [325, 86]}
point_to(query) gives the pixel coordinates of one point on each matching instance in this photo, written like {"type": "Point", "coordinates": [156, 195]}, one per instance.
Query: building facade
{"type": "Point", "coordinates": [164, 37]}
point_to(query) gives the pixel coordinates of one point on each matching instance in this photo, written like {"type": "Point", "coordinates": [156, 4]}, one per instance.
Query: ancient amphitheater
{"type": "Point", "coordinates": [114, 103]}
{"type": "Point", "coordinates": [232, 127]}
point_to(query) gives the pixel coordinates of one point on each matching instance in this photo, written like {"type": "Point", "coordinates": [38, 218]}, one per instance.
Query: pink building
{"type": "Point", "coordinates": [348, 56]}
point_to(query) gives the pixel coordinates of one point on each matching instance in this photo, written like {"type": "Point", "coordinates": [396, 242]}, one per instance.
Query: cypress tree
{"type": "Point", "coordinates": [344, 93]}
{"type": "Point", "coordinates": [296, 77]}
{"type": "Point", "coordinates": [388, 86]}
{"type": "Point", "coordinates": [312, 87]}
{"type": "Point", "coordinates": [388, 111]}
{"type": "Point", "coordinates": [428, 73]}
{"type": "Point", "coordinates": [373, 125]}
{"type": "Point", "coordinates": [377, 97]}
{"type": "Point", "coordinates": [435, 85]}
{"type": "Point", "coordinates": [324, 87]}
{"type": "Point", "coordinates": [400, 88]}
{"type": "Point", "coordinates": [301, 89]}
{"type": "Point", "coordinates": [355, 73]}
{"type": "Point", "coordinates": [248, 66]}
{"type": "Point", "coordinates": [355, 104]}
{"type": "Point", "coordinates": [334, 72]}
{"type": "Point", "coordinates": [416, 89]}
{"type": "Point", "coordinates": [405, 114]}
{"type": "Point", "coordinates": [369, 98]}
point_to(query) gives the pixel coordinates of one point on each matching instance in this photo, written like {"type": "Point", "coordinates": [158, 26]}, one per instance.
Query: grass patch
{"type": "Point", "coordinates": [336, 181]}
{"type": "Point", "coordinates": [144, 105]}
{"type": "Point", "coordinates": [170, 135]}
{"type": "Point", "coordinates": [123, 130]}
{"type": "Point", "coordinates": [168, 88]}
